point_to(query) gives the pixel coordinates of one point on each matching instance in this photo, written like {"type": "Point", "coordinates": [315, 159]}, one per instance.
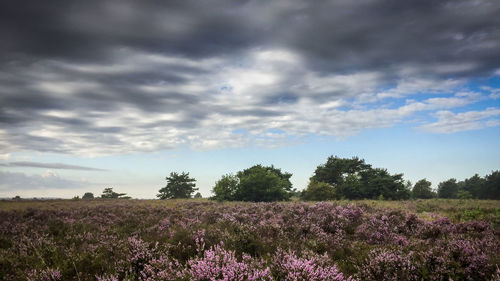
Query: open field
{"type": "Point", "coordinates": [201, 240]}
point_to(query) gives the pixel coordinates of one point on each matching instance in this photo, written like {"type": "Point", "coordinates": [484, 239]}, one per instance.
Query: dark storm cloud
{"type": "Point", "coordinates": [50, 166]}
{"type": "Point", "coordinates": [76, 75]}
{"type": "Point", "coordinates": [339, 35]}
{"type": "Point", "coordinates": [86, 30]}
{"type": "Point", "coordinates": [374, 34]}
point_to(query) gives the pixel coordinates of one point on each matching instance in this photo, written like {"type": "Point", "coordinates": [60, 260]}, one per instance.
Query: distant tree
{"type": "Point", "coordinates": [225, 188]}
{"type": "Point", "coordinates": [17, 197]}
{"type": "Point", "coordinates": [178, 186]}
{"type": "Point", "coordinates": [354, 179]}
{"type": "Point", "coordinates": [448, 189]}
{"type": "Point", "coordinates": [108, 193]}
{"type": "Point", "coordinates": [88, 195]}
{"type": "Point", "coordinates": [492, 186]}
{"type": "Point", "coordinates": [263, 183]}
{"type": "Point", "coordinates": [475, 186]}
{"type": "Point", "coordinates": [319, 191]}
{"type": "Point", "coordinates": [422, 189]}
{"type": "Point", "coordinates": [198, 195]}
{"type": "Point", "coordinates": [335, 170]}
{"type": "Point", "coordinates": [378, 182]}
{"type": "Point", "coordinates": [257, 183]}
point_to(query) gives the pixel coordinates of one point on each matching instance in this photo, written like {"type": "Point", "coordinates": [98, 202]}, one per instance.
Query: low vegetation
{"type": "Point", "coordinates": [109, 239]}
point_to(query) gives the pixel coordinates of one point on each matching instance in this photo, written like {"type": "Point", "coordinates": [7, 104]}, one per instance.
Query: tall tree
{"type": "Point", "coordinates": [257, 183]}
{"type": "Point", "coordinates": [178, 186]}
{"type": "Point", "coordinates": [448, 189]}
{"type": "Point", "coordinates": [422, 189]}
{"type": "Point", "coordinates": [475, 186]}
{"type": "Point", "coordinates": [492, 185]}
{"type": "Point", "coordinates": [379, 182]}
{"type": "Point", "coordinates": [336, 169]}
{"type": "Point", "coordinates": [261, 183]}
{"type": "Point", "coordinates": [354, 179]}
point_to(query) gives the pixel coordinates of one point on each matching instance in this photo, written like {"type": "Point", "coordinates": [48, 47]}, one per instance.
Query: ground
{"type": "Point", "coordinates": [204, 240]}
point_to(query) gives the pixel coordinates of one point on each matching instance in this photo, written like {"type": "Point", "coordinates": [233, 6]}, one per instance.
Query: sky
{"type": "Point", "coordinates": [112, 93]}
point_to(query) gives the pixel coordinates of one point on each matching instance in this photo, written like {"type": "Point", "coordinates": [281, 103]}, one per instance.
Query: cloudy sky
{"type": "Point", "coordinates": [119, 94]}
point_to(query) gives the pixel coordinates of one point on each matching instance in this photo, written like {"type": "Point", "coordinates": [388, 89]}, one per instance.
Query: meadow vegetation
{"type": "Point", "coordinates": [257, 227]}
{"type": "Point", "coordinates": [198, 239]}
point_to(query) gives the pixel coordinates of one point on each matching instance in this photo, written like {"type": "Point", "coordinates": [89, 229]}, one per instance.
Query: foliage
{"type": "Point", "coordinates": [492, 185]}
{"type": "Point", "coordinates": [487, 187]}
{"type": "Point", "coordinates": [319, 191]}
{"type": "Point", "coordinates": [108, 193]}
{"type": "Point", "coordinates": [422, 190]}
{"type": "Point", "coordinates": [448, 189]}
{"type": "Point", "coordinates": [225, 188]}
{"type": "Point", "coordinates": [463, 194]}
{"type": "Point", "coordinates": [88, 195]}
{"type": "Point", "coordinates": [260, 183]}
{"type": "Point", "coordinates": [475, 186]}
{"type": "Point", "coordinates": [354, 179]}
{"type": "Point", "coordinates": [257, 183]}
{"type": "Point", "coordinates": [201, 240]}
{"type": "Point", "coordinates": [178, 186]}
{"type": "Point", "coordinates": [335, 170]}
{"type": "Point", "coordinates": [197, 195]}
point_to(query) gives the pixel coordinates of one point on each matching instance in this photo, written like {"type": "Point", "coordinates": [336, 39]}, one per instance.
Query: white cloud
{"type": "Point", "coordinates": [449, 122]}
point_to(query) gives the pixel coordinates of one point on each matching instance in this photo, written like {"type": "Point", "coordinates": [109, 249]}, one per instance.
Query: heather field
{"type": "Point", "coordinates": [204, 240]}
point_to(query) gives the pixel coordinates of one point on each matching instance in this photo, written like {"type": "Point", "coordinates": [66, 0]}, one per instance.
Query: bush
{"type": "Point", "coordinates": [319, 191]}
{"type": "Point", "coordinates": [88, 195]}
{"type": "Point", "coordinates": [257, 184]}
{"type": "Point", "coordinates": [225, 188]}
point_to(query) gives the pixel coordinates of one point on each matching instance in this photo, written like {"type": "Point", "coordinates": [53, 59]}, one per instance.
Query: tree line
{"type": "Point", "coordinates": [338, 178]}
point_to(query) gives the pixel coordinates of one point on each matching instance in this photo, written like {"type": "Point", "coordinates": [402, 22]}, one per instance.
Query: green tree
{"type": "Point", "coordinates": [198, 195]}
{"type": "Point", "coordinates": [492, 186]}
{"type": "Point", "coordinates": [319, 191]}
{"type": "Point", "coordinates": [352, 188]}
{"type": "Point", "coordinates": [110, 194]}
{"type": "Point", "coordinates": [225, 188]}
{"type": "Point", "coordinates": [463, 194]}
{"type": "Point", "coordinates": [88, 195]}
{"type": "Point", "coordinates": [354, 179]}
{"type": "Point", "coordinates": [378, 182]}
{"type": "Point", "coordinates": [422, 189]}
{"type": "Point", "coordinates": [474, 185]}
{"type": "Point", "coordinates": [178, 186]}
{"type": "Point", "coordinates": [335, 170]}
{"type": "Point", "coordinates": [260, 183]}
{"type": "Point", "coordinates": [448, 189]}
